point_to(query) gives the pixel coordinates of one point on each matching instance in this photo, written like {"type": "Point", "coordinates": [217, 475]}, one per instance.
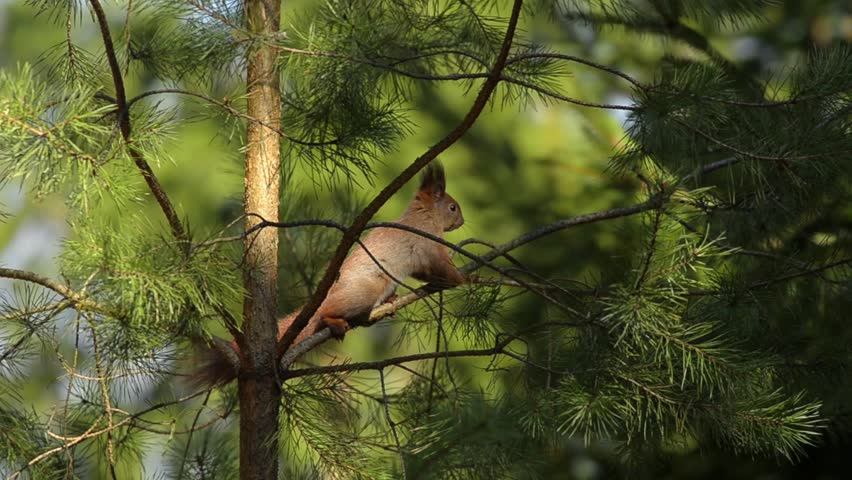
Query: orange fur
{"type": "Point", "coordinates": [363, 285]}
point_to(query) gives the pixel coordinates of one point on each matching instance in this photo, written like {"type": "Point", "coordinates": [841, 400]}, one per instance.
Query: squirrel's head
{"type": "Point", "coordinates": [432, 193]}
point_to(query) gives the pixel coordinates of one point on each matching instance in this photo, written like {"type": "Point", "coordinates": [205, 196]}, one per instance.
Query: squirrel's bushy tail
{"type": "Point", "coordinates": [221, 359]}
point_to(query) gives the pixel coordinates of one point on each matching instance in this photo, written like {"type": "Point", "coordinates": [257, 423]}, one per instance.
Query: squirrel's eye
{"type": "Point", "coordinates": [452, 207]}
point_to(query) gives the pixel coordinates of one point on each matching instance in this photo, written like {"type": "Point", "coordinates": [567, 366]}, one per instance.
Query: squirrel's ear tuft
{"type": "Point", "coordinates": [433, 180]}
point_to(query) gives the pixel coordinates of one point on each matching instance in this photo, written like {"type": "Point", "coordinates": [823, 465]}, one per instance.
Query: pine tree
{"type": "Point", "coordinates": [720, 326]}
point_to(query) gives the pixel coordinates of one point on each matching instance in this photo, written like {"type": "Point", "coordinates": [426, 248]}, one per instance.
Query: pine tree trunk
{"type": "Point", "coordinates": [258, 389]}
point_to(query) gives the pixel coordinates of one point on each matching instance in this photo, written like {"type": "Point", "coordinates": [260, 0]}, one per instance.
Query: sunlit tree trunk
{"type": "Point", "coordinates": [258, 389]}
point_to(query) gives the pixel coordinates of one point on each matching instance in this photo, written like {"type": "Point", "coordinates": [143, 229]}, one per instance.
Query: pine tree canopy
{"type": "Point", "coordinates": [657, 237]}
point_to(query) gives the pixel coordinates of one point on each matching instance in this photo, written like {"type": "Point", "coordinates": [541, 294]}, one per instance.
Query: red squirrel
{"type": "Point", "coordinates": [362, 284]}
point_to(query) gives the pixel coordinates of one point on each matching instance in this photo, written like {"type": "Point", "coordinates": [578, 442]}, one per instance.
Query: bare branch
{"type": "Point", "coordinates": [382, 364]}
{"type": "Point", "coordinates": [473, 76]}
{"type": "Point", "coordinates": [568, 223]}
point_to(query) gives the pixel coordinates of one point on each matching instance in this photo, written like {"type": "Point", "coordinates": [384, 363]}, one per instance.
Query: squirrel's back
{"type": "Point", "coordinates": [367, 279]}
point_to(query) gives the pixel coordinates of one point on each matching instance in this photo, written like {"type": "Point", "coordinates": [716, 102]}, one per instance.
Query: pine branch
{"type": "Point", "coordinates": [49, 136]}
{"type": "Point", "coordinates": [652, 246]}
{"type": "Point", "coordinates": [520, 58]}
{"type": "Point", "coordinates": [678, 29]}
{"type": "Point", "coordinates": [191, 431]}
{"type": "Point", "coordinates": [573, 222]}
{"type": "Point", "coordinates": [76, 299]}
{"type": "Point", "coordinates": [124, 124]}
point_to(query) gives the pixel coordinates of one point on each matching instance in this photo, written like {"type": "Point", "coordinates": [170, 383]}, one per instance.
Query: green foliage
{"type": "Point", "coordinates": [473, 318]}
{"type": "Point", "coordinates": [714, 319]}
{"type": "Point", "coordinates": [210, 456]}
{"type": "Point", "coordinates": [770, 423]}
{"type": "Point", "coordinates": [21, 440]}
{"type": "Point", "coordinates": [322, 431]}
{"type": "Point", "coordinates": [359, 63]}
{"type": "Point", "coordinates": [27, 314]}
{"type": "Point", "coordinates": [635, 15]}
{"type": "Point", "coordinates": [197, 41]}
{"type": "Point", "coordinates": [150, 281]}
{"type": "Point", "coordinates": [57, 139]}
{"type": "Point", "coordinates": [669, 369]}
{"type": "Point", "coordinates": [460, 444]}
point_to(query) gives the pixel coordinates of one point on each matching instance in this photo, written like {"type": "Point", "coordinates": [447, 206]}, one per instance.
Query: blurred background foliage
{"type": "Point", "coordinates": [516, 170]}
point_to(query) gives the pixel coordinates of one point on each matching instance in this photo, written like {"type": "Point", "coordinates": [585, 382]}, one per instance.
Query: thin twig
{"type": "Point", "coordinates": [226, 105]}
{"type": "Point", "coordinates": [432, 380]}
{"type": "Point", "coordinates": [191, 431]}
{"type": "Point", "coordinates": [391, 423]}
{"type": "Point", "coordinates": [102, 382]}
{"type": "Point", "coordinates": [570, 58]}
{"type": "Point", "coordinates": [564, 98]}
{"type": "Point", "coordinates": [652, 247]}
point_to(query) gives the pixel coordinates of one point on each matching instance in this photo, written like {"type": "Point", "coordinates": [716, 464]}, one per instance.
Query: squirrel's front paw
{"type": "Point", "coordinates": [392, 298]}
{"type": "Point", "coordinates": [338, 326]}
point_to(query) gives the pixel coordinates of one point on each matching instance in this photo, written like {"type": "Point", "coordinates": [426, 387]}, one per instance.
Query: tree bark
{"type": "Point", "coordinates": [259, 391]}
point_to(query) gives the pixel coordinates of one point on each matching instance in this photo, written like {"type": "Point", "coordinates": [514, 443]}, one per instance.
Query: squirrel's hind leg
{"type": "Point", "coordinates": [338, 326]}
